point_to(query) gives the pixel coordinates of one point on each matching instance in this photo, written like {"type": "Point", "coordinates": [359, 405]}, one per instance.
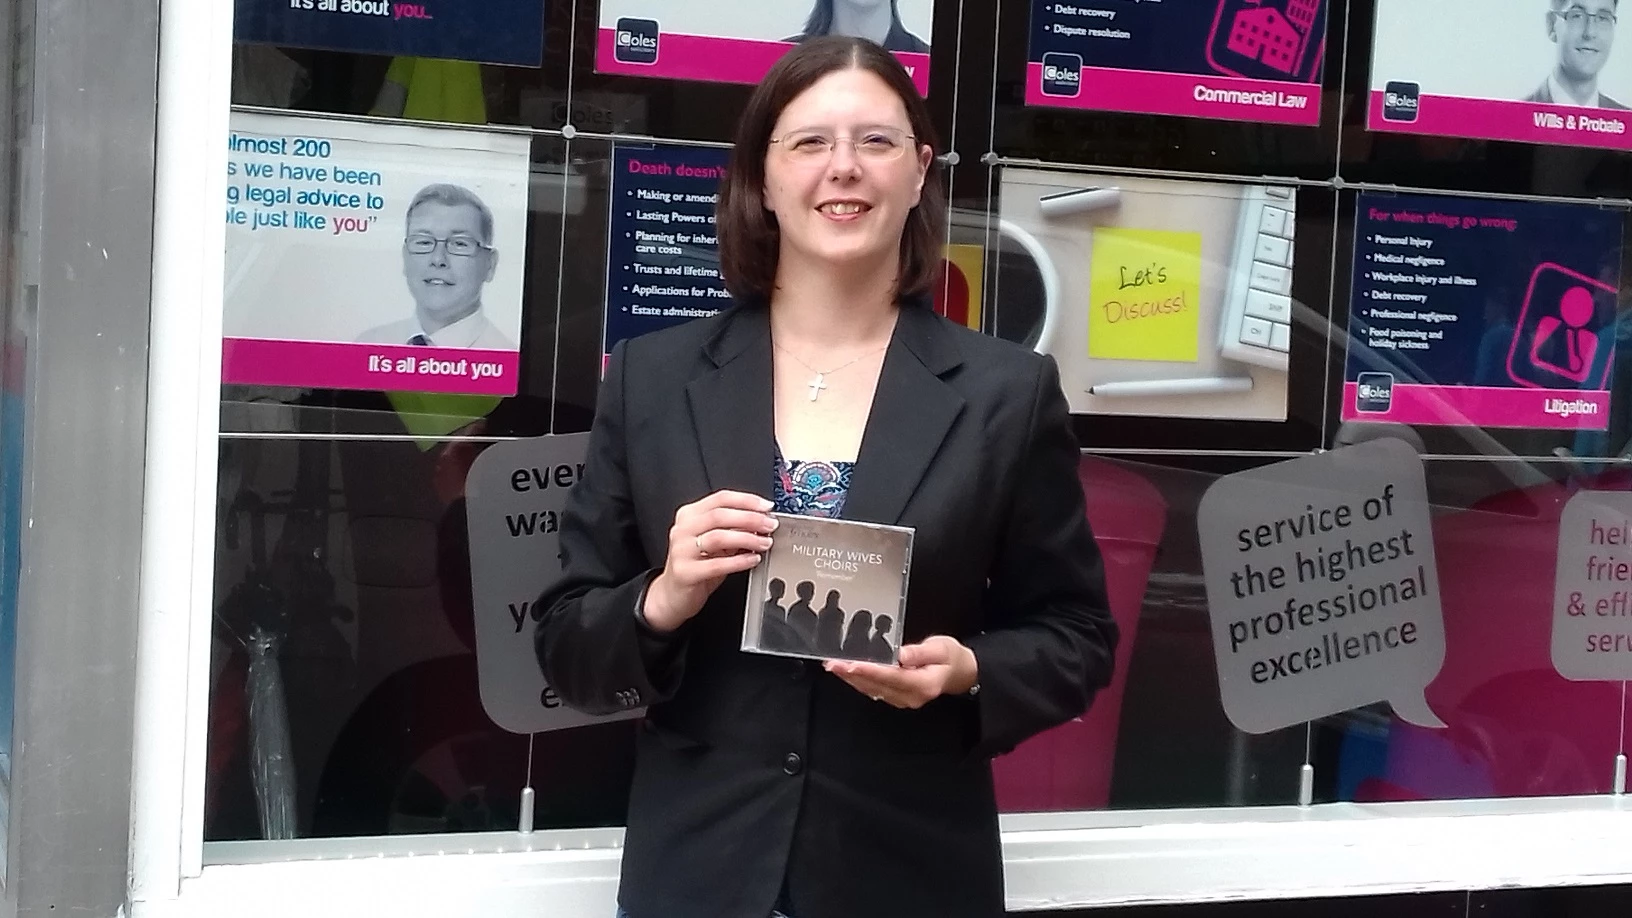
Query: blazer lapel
{"type": "Point", "coordinates": [731, 408]}
{"type": "Point", "coordinates": [912, 411]}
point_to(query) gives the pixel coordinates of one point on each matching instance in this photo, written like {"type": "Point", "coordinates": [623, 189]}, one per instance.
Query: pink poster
{"type": "Point", "coordinates": [373, 256]}
{"type": "Point", "coordinates": [1534, 71]}
{"type": "Point", "coordinates": [1234, 60]}
{"type": "Point", "coordinates": [736, 41]}
{"type": "Point", "coordinates": [1481, 313]}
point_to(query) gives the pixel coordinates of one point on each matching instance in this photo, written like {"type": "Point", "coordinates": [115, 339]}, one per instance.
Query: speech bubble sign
{"type": "Point", "coordinates": [1322, 587]}
{"type": "Point", "coordinates": [514, 493]}
{"type": "Point", "coordinates": [1592, 590]}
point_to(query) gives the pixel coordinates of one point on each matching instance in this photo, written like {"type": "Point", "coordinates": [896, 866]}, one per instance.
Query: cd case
{"type": "Point", "coordinates": [829, 590]}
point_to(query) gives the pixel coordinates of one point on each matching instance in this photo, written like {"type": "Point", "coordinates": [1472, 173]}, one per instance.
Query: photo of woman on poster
{"type": "Point", "coordinates": [878, 21]}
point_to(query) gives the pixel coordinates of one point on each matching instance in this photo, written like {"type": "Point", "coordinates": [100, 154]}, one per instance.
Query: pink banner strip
{"type": "Point", "coordinates": [1486, 406]}
{"type": "Point", "coordinates": [1497, 119]}
{"type": "Point", "coordinates": [394, 368]}
{"type": "Point", "coordinates": [1187, 94]}
{"type": "Point", "coordinates": [710, 58]}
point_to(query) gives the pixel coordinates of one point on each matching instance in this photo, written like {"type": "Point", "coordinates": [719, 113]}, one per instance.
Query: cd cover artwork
{"type": "Point", "coordinates": [829, 589]}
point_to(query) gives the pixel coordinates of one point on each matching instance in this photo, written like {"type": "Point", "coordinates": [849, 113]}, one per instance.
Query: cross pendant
{"type": "Point", "coordinates": [816, 386]}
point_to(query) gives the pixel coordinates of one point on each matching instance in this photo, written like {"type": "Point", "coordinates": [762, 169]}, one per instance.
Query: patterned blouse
{"type": "Point", "coordinates": [811, 488]}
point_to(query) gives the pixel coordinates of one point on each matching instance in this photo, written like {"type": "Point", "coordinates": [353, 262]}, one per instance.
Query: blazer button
{"type": "Point", "coordinates": [793, 764]}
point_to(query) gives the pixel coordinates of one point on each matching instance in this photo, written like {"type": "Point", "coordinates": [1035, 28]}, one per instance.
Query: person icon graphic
{"type": "Point", "coordinates": [1569, 346]}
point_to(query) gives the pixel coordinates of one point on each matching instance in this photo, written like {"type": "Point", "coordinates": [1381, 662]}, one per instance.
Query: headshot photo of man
{"type": "Point", "coordinates": [447, 259]}
{"type": "Point", "coordinates": [1584, 33]}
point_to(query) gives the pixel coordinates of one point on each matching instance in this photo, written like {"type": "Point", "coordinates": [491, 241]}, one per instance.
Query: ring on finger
{"type": "Point", "coordinates": [698, 541]}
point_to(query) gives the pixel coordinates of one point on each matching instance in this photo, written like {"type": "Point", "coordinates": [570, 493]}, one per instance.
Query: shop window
{"type": "Point", "coordinates": [1223, 248]}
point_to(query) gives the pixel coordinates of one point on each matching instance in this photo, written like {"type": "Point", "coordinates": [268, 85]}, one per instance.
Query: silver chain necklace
{"type": "Point", "coordinates": [816, 385]}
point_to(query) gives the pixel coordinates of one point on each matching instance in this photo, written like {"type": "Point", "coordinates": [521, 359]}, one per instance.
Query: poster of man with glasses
{"type": "Point", "coordinates": [1584, 32]}
{"type": "Point", "coordinates": [373, 256]}
{"type": "Point", "coordinates": [1534, 71]}
{"type": "Point", "coordinates": [448, 257]}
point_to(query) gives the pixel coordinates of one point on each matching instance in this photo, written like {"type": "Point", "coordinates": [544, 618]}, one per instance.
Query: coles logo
{"type": "Point", "coordinates": [1401, 101]}
{"type": "Point", "coordinates": [1062, 74]}
{"type": "Point", "coordinates": [636, 41]}
{"type": "Point", "coordinates": [1374, 392]}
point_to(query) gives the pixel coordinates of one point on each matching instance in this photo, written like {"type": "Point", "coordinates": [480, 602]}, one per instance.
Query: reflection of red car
{"type": "Point", "coordinates": [1515, 727]}
{"type": "Point", "coordinates": [1069, 767]}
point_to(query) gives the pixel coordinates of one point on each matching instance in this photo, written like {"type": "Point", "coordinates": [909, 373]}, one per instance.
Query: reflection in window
{"type": "Point", "coordinates": [341, 535]}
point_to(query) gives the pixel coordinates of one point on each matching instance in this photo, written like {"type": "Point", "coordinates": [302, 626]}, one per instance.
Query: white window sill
{"type": "Point", "coordinates": [1053, 861]}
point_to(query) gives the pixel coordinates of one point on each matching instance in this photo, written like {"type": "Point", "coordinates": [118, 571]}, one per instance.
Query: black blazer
{"type": "Point", "coordinates": [751, 768]}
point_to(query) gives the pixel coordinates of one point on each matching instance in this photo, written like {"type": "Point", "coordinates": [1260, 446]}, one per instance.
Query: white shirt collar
{"type": "Point", "coordinates": [1560, 97]}
{"type": "Point", "coordinates": [462, 333]}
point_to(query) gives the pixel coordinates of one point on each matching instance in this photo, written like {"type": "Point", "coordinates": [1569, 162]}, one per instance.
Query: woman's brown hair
{"type": "Point", "coordinates": [750, 240]}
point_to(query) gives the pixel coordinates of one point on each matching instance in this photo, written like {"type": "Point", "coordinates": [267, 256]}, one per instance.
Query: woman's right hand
{"type": "Point", "coordinates": [722, 534]}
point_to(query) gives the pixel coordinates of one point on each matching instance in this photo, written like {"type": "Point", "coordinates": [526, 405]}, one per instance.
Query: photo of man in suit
{"type": "Point", "coordinates": [1584, 31]}
{"type": "Point", "coordinates": [447, 259]}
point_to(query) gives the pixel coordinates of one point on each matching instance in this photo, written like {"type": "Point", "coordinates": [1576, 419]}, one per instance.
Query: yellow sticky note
{"type": "Point", "coordinates": [1144, 294]}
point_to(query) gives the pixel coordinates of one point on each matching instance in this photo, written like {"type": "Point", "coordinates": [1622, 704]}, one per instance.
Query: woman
{"type": "Point", "coordinates": [875, 20]}
{"type": "Point", "coordinates": [858, 636]}
{"type": "Point", "coordinates": [760, 779]}
{"type": "Point", "coordinates": [830, 626]}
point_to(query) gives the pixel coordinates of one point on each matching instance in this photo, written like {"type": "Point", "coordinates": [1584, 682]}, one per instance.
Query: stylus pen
{"type": "Point", "coordinates": [1201, 385]}
{"type": "Point", "coordinates": [1083, 200]}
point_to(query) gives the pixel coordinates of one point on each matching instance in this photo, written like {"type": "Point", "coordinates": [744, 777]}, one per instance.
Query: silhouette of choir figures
{"type": "Point", "coordinates": [801, 617]}
{"type": "Point", "coordinates": [798, 628]}
{"type": "Point", "coordinates": [830, 626]}
{"type": "Point", "coordinates": [774, 631]}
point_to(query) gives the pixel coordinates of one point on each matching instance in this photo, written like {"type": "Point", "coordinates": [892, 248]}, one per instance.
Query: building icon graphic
{"type": "Point", "coordinates": [1265, 34]}
{"type": "Point", "coordinates": [1301, 13]}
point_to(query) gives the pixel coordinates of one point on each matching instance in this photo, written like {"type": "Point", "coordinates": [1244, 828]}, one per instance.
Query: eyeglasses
{"type": "Point", "coordinates": [1575, 16]}
{"type": "Point", "coordinates": [811, 145]}
{"type": "Point", "coordinates": [460, 245]}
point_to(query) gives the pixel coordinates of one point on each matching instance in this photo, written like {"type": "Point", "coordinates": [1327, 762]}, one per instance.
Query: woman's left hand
{"type": "Point", "coordinates": [937, 666]}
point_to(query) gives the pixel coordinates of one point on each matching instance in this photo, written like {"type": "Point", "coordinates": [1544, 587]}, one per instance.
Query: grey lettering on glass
{"type": "Point", "coordinates": [514, 494]}
{"type": "Point", "coordinates": [1322, 587]}
{"type": "Point", "coordinates": [1592, 589]}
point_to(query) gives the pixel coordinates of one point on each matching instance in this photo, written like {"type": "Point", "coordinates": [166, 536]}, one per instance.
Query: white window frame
{"type": "Point", "coordinates": [1053, 861]}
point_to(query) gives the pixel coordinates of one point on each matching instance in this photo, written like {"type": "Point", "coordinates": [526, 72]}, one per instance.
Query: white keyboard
{"type": "Point", "coordinates": [1256, 326]}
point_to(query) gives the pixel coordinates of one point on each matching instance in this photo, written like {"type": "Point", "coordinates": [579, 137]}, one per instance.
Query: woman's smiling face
{"type": "Point", "coordinates": [843, 171]}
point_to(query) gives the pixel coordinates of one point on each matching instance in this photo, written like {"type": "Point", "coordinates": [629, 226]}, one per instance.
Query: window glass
{"type": "Point", "coordinates": [1244, 238]}
{"type": "Point", "coordinates": [1498, 693]}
